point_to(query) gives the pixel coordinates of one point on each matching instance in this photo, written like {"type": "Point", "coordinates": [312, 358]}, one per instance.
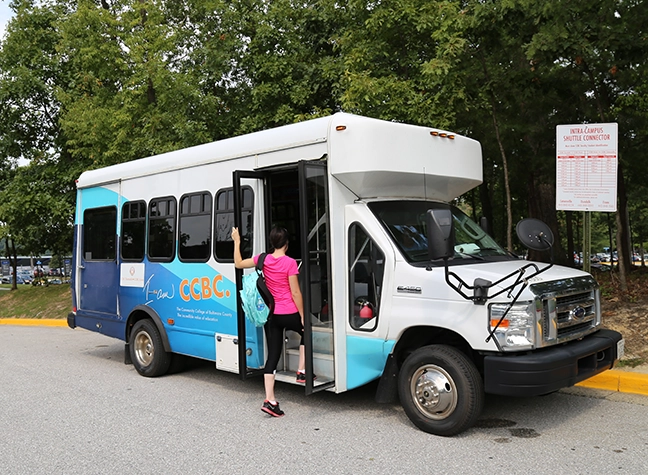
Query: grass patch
{"type": "Point", "coordinates": [31, 301]}
{"type": "Point", "coordinates": [630, 363]}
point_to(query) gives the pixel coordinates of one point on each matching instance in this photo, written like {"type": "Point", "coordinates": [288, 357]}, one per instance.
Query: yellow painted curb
{"type": "Point", "coordinates": [622, 381]}
{"type": "Point", "coordinates": [43, 322]}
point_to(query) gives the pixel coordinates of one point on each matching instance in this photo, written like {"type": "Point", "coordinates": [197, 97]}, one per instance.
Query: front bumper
{"type": "Point", "coordinates": [546, 371]}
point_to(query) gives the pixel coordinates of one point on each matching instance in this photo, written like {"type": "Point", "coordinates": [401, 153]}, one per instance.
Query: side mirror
{"type": "Point", "coordinates": [535, 234]}
{"type": "Point", "coordinates": [440, 234]}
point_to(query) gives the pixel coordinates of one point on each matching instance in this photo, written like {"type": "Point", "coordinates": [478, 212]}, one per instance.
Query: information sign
{"type": "Point", "coordinates": [586, 167]}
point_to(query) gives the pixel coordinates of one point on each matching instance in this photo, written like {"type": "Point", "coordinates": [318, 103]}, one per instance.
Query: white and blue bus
{"type": "Point", "coordinates": [153, 266]}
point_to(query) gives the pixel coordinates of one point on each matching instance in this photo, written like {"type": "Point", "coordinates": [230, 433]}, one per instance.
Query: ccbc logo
{"type": "Point", "coordinates": [202, 288]}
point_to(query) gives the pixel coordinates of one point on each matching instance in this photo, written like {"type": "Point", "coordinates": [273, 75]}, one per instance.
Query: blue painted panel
{"type": "Point", "coordinates": [101, 324]}
{"type": "Point", "coordinates": [95, 198]}
{"type": "Point", "coordinates": [366, 359]}
{"type": "Point", "coordinates": [193, 300]}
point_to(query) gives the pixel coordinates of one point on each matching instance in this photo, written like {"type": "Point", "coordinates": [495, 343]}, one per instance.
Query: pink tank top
{"type": "Point", "coordinates": [276, 273]}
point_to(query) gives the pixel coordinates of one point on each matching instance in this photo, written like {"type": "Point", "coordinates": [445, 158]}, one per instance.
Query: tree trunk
{"type": "Point", "coordinates": [507, 188]}
{"type": "Point", "coordinates": [13, 261]}
{"type": "Point", "coordinates": [623, 234]}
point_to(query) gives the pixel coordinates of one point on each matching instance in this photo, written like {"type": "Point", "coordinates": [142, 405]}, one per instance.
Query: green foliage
{"type": "Point", "coordinates": [87, 83]}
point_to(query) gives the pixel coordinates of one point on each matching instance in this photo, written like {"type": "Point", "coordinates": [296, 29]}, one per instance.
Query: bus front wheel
{"type": "Point", "coordinates": [147, 350]}
{"type": "Point", "coordinates": [441, 390]}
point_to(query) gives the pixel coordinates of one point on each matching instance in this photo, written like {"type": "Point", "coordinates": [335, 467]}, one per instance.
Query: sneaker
{"type": "Point", "coordinates": [271, 409]}
{"type": "Point", "coordinates": [301, 377]}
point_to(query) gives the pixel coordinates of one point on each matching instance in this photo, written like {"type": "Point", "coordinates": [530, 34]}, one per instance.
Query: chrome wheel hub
{"type": "Point", "coordinates": [434, 392]}
{"type": "Point", "coordinates": [144, 349]}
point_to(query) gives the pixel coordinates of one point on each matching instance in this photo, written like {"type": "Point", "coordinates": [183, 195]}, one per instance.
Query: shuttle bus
{"type": "Point", "coordinates": [367, 205]}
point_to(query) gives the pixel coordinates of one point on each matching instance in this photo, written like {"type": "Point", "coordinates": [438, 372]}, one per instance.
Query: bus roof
{"type": "Point", "coordinates": [372, 158]}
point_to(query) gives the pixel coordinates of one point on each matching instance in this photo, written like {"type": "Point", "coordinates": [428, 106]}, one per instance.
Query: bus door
{"type": "Point", "coordinates": [97, 268]}
{"type": "Point", "coordinates": [253, 230]}
{"type": "Point", "coordinates": [297, 199]}
{"type": "Point", "coordinates": [314, 275]}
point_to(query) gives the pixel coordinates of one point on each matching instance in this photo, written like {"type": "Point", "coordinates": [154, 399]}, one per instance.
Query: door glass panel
{"type": "Point", "coordinates": [366, 265]}
{"type": "Point", "coordinates": [317, 226]}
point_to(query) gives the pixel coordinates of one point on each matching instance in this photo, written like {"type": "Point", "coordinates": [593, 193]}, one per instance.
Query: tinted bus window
{"type": "Point", "coordinates": [99, 234]}
{"type": "Point", "coordinates": [162, 226]}
{"type": "Point", "coordinates": [133, 231]}
{"type": "Point", "coordinates": [195, 227]}
{"type": "Point", "coordinates": [224, 221]}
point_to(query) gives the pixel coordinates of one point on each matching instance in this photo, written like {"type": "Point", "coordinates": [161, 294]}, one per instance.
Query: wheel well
{"type": "Point", "coordinates": [143, 313]}
{"type": "Point", "coordinates": [411, 340]}
{"type": "Point", "coordinates": [417, 337]}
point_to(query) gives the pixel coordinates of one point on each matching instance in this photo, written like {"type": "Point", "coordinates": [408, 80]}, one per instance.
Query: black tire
{"type": "Point", "coordinates": [441, 390]}
{"type": "Point", "coordinates": [178, 363]}
{"type": "Point", "coordinates": [147, 350]}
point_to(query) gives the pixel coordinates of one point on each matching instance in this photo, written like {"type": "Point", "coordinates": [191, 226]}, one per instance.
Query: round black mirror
{"type": "Point", "coordinates": [535, 234]}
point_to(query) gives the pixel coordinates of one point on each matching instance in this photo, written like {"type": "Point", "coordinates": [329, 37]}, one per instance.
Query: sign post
{"type": "Point", "coordinates": [586, 173]}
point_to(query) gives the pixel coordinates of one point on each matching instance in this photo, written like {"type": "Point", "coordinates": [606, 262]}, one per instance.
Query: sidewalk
{"type": "Point", "coordinates": [632, 380]}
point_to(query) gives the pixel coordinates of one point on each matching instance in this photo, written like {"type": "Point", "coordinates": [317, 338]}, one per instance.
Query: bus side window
{"type": "Point", "coordinates": [366, 262]}
{"type": "Point", "coordinates": [133, 231]}
{"type": "Point", "coordinates": [99, 234]}
{"type": "Point", "coordinates": [224, 221]}
{"type": "Point", "coordinates": [195, 227]}
{"type": "Point", "coordinates": [162, 226]}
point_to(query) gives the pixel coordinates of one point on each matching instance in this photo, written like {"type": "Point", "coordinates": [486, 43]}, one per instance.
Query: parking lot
{"type": "Point", "coordinates": [71, 406]}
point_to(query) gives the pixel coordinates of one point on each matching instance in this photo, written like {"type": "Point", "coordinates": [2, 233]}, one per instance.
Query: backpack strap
{"type": "Point", "coordinates": [260, 261]}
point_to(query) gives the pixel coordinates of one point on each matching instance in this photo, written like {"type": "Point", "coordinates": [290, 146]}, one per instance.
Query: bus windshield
{"type": "Point", "coordinates": [406, 223]}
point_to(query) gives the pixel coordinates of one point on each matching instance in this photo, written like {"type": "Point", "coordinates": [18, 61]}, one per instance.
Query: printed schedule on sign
{"type": "Point", "coordinates": [586, 167]}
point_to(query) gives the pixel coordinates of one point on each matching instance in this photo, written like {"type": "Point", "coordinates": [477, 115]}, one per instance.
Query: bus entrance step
{"type": "Point", "coordinates": [289, 377]}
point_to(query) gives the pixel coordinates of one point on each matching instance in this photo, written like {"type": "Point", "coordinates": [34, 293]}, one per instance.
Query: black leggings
{"type": "Point", "coordinates": [274, 328]}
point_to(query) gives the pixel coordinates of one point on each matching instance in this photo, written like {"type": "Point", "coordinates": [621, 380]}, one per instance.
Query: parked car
{"type": "Point", "coordinates": [8, 279]}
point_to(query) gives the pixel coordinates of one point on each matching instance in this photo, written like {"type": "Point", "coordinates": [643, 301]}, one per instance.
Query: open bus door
{"type": "Point", "coordinates": [297, 197]}
{"type": "Point", "coordinates": [315, 271]}
{"type": "Point", "coordinates": [254, 236]}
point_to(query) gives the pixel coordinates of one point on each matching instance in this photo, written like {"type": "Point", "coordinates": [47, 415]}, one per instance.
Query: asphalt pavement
{"type": "Point", "coordinates": [69, 405]}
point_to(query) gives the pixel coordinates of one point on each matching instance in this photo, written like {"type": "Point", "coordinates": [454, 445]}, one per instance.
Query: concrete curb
{"type": "Point", "coordinates": [621, 381]}
{"type": "Point", "coordinates": [43, 322]}
{"type": "Point", "coordinates": [612, 380]}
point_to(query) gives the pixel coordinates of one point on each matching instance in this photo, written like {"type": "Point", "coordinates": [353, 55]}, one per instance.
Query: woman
{"type": "Point", "coordinates": [280, 273]}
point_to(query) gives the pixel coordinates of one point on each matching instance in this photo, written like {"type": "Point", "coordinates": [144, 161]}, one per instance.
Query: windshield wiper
{"type": "Point", "coordinates": [479, 258]}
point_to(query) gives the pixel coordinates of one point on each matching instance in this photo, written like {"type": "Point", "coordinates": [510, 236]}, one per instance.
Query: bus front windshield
{"type": "Point", "coordinates": [406, 223]}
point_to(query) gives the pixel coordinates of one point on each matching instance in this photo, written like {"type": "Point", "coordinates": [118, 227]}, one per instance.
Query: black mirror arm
{"type": "Point", "coordinates": [482, 297]}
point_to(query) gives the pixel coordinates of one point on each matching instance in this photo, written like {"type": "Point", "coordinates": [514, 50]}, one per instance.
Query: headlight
{"type": "Point", "coordinates": [517, 329]}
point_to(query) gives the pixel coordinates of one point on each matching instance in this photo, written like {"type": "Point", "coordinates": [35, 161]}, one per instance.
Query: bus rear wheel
{"type": "Point", "coordinates": [441, 390]}
{"type": "Point", "coordinates": [147, 350]}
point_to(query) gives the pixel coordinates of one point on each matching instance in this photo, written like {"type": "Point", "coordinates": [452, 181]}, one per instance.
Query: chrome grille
{"type": "Point", "coordinates": [567, 309]}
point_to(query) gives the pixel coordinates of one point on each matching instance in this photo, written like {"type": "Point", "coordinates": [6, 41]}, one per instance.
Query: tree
{"type": "Point", "coordinates": [131, 93]}
{"type": "Point", "coordinates": [600, 47]}
{"type": "Point", "coordinates": [36, 202]}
